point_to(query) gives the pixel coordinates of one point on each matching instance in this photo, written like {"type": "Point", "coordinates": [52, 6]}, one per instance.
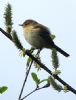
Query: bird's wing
{"type": "Point", "coordinates": [45, 33]}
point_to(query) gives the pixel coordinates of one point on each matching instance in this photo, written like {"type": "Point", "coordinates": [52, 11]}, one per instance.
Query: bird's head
{"type": "Point", "coordinates": [28, 22]}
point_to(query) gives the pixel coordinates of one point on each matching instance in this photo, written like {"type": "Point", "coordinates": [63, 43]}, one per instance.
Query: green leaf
{"type": "Point", "coordinates": [28, 61]}
{"type": "Point", "coordinates": [35, 78]}
{"type": "Point", "coordinates": [53, 36]}
{"type": "Point", "coordinates": [37, 66]}
{"type": "Point", "coordinates": [3, 89]}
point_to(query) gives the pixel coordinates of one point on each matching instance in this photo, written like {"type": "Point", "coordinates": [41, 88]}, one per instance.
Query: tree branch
{"type": "Point", "coordinates": [44, 67]}
{"type": "Point", "coordinates": [6, 34]}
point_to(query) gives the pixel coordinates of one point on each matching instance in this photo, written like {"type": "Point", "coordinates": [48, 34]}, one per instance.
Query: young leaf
{"type": "Point", "coordinates": [28, 61]}
{"type": "Point", "coordinates": [35, 78]}
{"type": "Point", "coordinates": [53, 36]}
{"type": "Point", "coordinates": [3, 89]}
{"type": "Point", "coordinates": [37, 66]}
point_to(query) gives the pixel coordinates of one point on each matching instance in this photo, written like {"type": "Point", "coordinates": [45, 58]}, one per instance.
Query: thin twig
{"type": "Point", "coordinates": [32, 92]}
{"type": "Point", "coordinates": [27, 73]}
{"type": "Point", "coordinates": [29, 94]}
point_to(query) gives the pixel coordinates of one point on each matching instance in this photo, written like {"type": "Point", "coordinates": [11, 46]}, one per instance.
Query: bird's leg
{"type": "Point", "coordinates": [38, 52]}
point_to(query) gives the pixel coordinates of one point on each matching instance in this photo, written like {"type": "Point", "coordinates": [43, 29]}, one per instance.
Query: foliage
{"type": "Point", "coordinates": [35, 78]}
{"type": "Point", "coordinates": [16, 40]}
{"type": "Point", "coordinates": [53, 36]}
{"type": "Point", "coordinates": [8, 18]}
{"type": "Point", "coordinates": [55, 61]}
{"type": "Point", "coordinates": [54, 84]}
{"type": "Point", "coordinates": [3, 89]}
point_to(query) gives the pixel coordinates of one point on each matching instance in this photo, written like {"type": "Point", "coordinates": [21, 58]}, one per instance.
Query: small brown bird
{"type": "Point", "coordinates": [39, 36]}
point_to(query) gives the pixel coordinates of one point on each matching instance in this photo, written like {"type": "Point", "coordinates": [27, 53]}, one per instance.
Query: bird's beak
{"type": "Point", "coordinates": [20, 24]}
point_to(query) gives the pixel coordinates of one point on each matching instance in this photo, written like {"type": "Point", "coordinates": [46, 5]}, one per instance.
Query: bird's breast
{"type": "Point", "coordinates": [32, 36]}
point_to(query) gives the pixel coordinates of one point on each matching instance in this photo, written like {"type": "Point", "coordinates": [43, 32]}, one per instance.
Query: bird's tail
{"type": "Point", "coordinates": [61, 51]}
